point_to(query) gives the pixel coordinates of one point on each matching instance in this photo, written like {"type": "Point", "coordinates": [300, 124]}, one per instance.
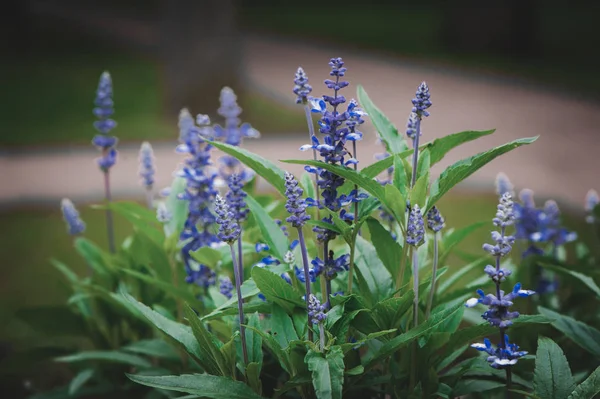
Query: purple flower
{"type": "Point", "coordinates": [411, 126]}
{"type": "Point", "coordinates": [229, 230]}
{"type": "Point", "coordinates": [74, 223]}
{"type": "Point", "coordinates": [332, 266]}
{"type": "Point", "coordinates": [300, 275]}
{"type": "Point", "coordinates": [591, 201]}
{"type": "Point", "coordinates": [295, 204]}
{"type": "Point", "coordinates": [104, 109]}
{"type": "Point", "coordinates": [235, 198]}
{"type": "Point", "coordinates": [415, 231]}
{"type": "Point", "coordinates": [203, 276]}
{"type": "Point", "coordinates": [147, 169]}
{"type": "Point", "coordinates": [421, 101]}
{"type": "Point", "coordinates": [503, 185]}
{"type": "Point", "coordinates": [435, 220]}
{"type": "Point", "coordinates": [316, 311]}
{"type": "Point", "coordinates": [503, 355]}
{"type": "Point", "coordinates": [226, 287]}
{"type": "Point", "coordinates": [301, 89]}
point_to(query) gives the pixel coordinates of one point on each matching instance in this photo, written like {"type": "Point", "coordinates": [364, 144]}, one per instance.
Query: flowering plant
{"type": "Point", "coordinates": [337, 286]}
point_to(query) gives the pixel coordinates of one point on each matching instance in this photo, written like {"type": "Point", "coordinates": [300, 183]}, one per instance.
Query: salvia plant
{"type": "Point", "coordinates": [342, 282]}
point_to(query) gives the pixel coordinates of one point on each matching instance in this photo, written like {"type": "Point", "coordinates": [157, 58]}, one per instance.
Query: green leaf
{"type": "Point", "coordinates": [394, 142]}
{"type": "Point", "coordinates": [248, 290]}
{"type": "Point", "coordinates": [178, 209]}
{"type": "Point", "coordinates": [366, 183]}
{"type": "Point", "coordinates": [180, 333]}
{"type": "Point", "coordinates": [589, 388]}
{"type": "Point", "coordinates": [588, 281]}
{"type": "Point", "coordinates": [396, 203]}
{"type": "Point", "coordinates": [460, 170]}
{"type": "Point", "coordinates": [253, 376]}
{"type": "Point", "coordinates": [272, 173]}
{"type": "Point", "coordinates": [440, 147]}
{"type": "Point", "coordinates": [108, 356]}
{"type": "Point", "coordinates": [208, 256]}
{"type": "Point", "coordinates": [402, 340]}
{"type": "Point", "coordinates": [552, 376]}
{"type": "Point", "coordinates": [167, 287]}
{"type": "Point", "coordinates": [451, 240]}
{"type": "Point", "coordinates": [418, 194]}
{"type": "Point", "coordinates": [271, 232]}
{"type": "Point", "coordinates": [79, 381]}
{"type": "Point", "coordinates": [374, 280]}
{"type": "Point", "coordinates": [254, 341]}
{"type": "Point", "coordinates": [308, 184]}
{"type": "Point", "coordinates": [388, 250]}
{"type": "Point", "coordinates": [460, 274]}
{"type": "Point", "coordinates": [465, 387]}
{"type": "Point", "coordinates": [583, 335]}
{"type": "Point", "coordinates": [388, 313]}
{"type": "Point", "coordinates": [327, 372]}
{"type": "Point", "coordinates": [95, 257]}
{"type": "Point", "coordinates": [203, 385]}
{"type": "Point", "coordinates": [401, 179]}
{"type": "Point", "coordinates": [282, 327]}
{"type": "Point", "coordinates": [273, 345]}
{"type": "Point", "coordinates": [276, 290]}
{"type": "Point", "coordinates": [210, 346]}
{"type": "Point", "coordinates": [424, 163]}
{"type": "Point", "coordinates": [152, 347]}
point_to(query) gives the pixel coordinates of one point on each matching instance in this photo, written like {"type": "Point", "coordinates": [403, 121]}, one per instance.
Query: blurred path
{"type": "Point", "coordinates": [562, 163]}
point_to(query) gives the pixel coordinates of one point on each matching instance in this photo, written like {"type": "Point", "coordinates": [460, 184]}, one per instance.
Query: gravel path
{"type": "Point", "coordinates": [562, 164]}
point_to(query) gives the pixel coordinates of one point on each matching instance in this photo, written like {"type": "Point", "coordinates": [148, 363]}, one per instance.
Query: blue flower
{"type": "Point", "coordinates": [501, 356]}
{"type": "Point", "coordinates": [301, 89]}
{"type": "Point", "coordinates": [316, 311]}
{"type": "Point", "coordinates": [302, 277]}
{"type": "Point", "coordinates": [74, 223]}
{"type": "Point", "coordinates": [235, 198]}
{"type": "Point", "coordinates": [203, 276]}
{"type": "Point", "coordinates": [415, 231]}
{"type": "Point", "coordinates": [295, 204]}
{"type": "Point", "coordinates": [229, 230]}
{"type": "Point", "coordinates": [104, 109]}
{"type": "Point", "coordinates": [147, 169]}
{"type": "Point", "coordinates": [226, 287]}
{"type": "Point", "coordinates": [591, 201]}
{"type": "Point", "coordinates": [435, 220]}
{"type": "Point", "coordinates": [504, 185]}
{"type": "Point", "coordinates": [421, 101]}
{"type": "Point", "coordinates": [332, 266]}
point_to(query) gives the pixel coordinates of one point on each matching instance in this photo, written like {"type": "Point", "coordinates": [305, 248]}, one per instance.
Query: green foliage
{"type": "Point", "coordinates": [552, 378]}
{"type": "Point", "coordinates": [583, 335]}
{"type": "Point", "coordinates": [327, 372]}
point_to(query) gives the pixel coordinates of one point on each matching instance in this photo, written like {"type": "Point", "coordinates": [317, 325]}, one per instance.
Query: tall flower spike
{"type": "Point", "coordinates": [504, 185]}
{"type": "Point", "coordinates": [415, 231]}
{"type": "Point", "coordinates": [301, 89]}
{"type": "Point", "coordinates": [199, 193]}
{"type": "Point", "coordinates": [435, 220]}
{"type": "Point", "coordinates": [420, 103]}
{"type": "Point", "coordinates": [74, 223]}
{"type": "Point", "coordinates": [104, 109]}
{"type": "Point", "coordinates": [229, 230]}
{"type": "Point", "coordinates": [499, 314]}
{"type": "Point", "coordinates": [236, 198]}
{"type": "Point", "coordinates": [226, 287]}
{"type": "Point", "coordinates": [147, 169]}
{"type": "Point", "coordinates": [591, 201]}
{"type": "Point", "coordinates": [317, 315]}
{"type": "Point", "coordinates": [295, 204]}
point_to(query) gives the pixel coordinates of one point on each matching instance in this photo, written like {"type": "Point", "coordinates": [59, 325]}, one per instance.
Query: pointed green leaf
{"type": "Point", "coordinates": [209, 344]}
{"type": "Point", "coordinates": [79, 381]}
{"type": "Point", "coordinates": [388, 313]}
{"type": "Point", "coordinates": [401, 179]}
{"type": "Point", "coordinates": [271, 232]}
{"type": "Point", "coordinates": [424, 163]}
{"type": "Point", "coordinates": [587, 280]}
{"type": "Point", "coordinates": [202, 385]}
{"type": "Point", "coordinates": [394, 142]}
{"type": "Point", "coordinates": [208, 256]}
{"type": "Point", "coordinates": [107, 356]}
{"type": "Point", "coordinates": [248, 290]}
{"type": "Point", "coordinates": [266, 169]}
{"type": "Point", "coordinates": [276, 290]}
{"type": "Point", "coordinates": [388, 249]}
{"type": "Point", "coordinates": [456, 237]}
{"type": "Point", "coordinates": [254, 341]}
{"type": "Point", "coordinates": [178, 209]}
{"type": "Point", "coordinates": [460, 170]}
{"type": "Point", "coordinates": [282, 327]}
{"type": "Point", "coordinates": [589, 388]}
{"type": "Point", "coordinates": [440, 147]}
{"type": "Point", "coordinates": [308, 185]}
{"type": "Point", "coordinates": [552, 378]}
{"type": "Point", "coordinates": [253, 376]}
{"type": "Point", "coordinates": [327, 372]}
{"type": "Point", "coordinates": [418, 194]}
{"type": "Point", "coordinates": [374, 280]}
{"type": "Point", "coordinates": [94, 256]}
{"type": "Point", "coordinates": [273, 345]}
{"type": "Point", "coordinates": [583, 335]}
{"type": "Point", "coordinates": [152, 347]}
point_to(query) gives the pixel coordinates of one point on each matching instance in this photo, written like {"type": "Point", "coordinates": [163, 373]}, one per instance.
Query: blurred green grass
{"type": "Point", "coordinates": [52, 87]}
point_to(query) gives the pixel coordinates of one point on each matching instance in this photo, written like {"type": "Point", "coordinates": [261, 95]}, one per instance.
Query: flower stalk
{"type": "Point", "coordinates": [435, 223]}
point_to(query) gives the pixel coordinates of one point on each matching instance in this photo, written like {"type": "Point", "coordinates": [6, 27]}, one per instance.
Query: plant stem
{"type": "Point", "coordinates": [322, 336]}
{"type": "Point", "coordinates": [502, 343]}
{"type": "Point", "coordinates": [351, 266]}
{"type": "Point", "coordinates": [433, 277]}
{"type": "Point", "coordinates": [306, 277]}
{"type": "Point", "coordinates": [415, 153]}
{"type": "Point", "coordinates": [328, 287]}
{"type": "Point", "coordinates": [355, 186]}
{"type": "Point", "coordinates": [311, 133]}
{"type": "Point", "coordinates": [415, 265]}
{"type": "Point", "coordinates": [327, 281]}
{"type": "Point", "coordinates": [149, 197]}
{"type": "Point", "coordinates": [109, 218]}
{"type": "Point", "coordinates": [238, 284]}
{"type": "Point", "coordinates": [240, 258]}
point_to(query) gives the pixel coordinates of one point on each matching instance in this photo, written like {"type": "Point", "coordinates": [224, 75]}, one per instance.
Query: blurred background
{"type": "Point", "coordinates": [524, 67]}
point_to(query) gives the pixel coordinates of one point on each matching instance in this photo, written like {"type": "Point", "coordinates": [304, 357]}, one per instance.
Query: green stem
{"type": "Point", "coordinates": [415, 269]}
{"type": "Point", "coordinates": [433, 277]}
{"type": "Point", "coordinates": [351, 267]}
{"type": "Point", "coordinates": [238, 283]}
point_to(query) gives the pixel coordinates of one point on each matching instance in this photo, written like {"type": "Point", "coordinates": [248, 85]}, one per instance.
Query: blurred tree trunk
{"type": "Point", "coordinates": [500, 27]}
{"type": "Point", "coordinates": [200, 49]}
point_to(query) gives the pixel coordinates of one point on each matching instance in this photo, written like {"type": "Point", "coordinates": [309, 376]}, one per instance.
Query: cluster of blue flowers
{"type": "Point", "coordinates": [74, 223]}
{"type": "Point", "coordinates": [331, 266]}
{"type": "Point", "coordinates": [316, 311]}
{"type": "Point", "coordinates": [103, 111]}
{"type": "Point", "coordinates": [415, 230]}
{"type": "Point", "coordinates": [226, 287]}
{"type": "Point", "coordinates": [236, 198]}
{"type": "Point", "coordinates": [498, 313]}
{"type": "Point", "coordinates": [232, 133]}
{"type": "Point", "coordinates": [435, 220]}
{"type": "Point", "coordinates": [301, 89]}
{"type": "Point", "coordinates": [229, 230]}
{"type": "Point", "coordinates": [295, 204]}
{"type": "Point", "coordinates": [147, 168]}
{"type": "Point", "coordinates": [200, 192]}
